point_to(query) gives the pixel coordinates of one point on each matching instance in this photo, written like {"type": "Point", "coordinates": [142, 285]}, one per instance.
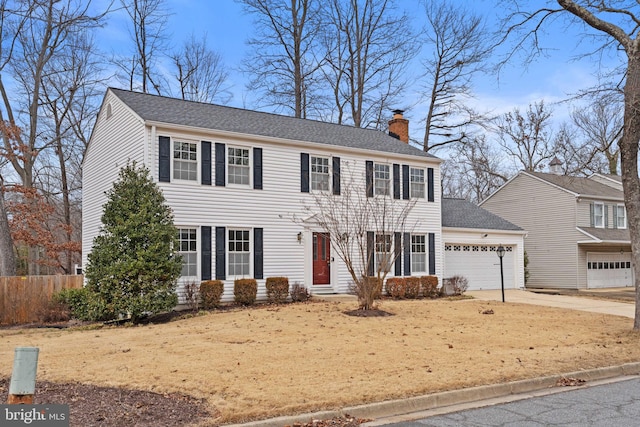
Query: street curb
{"type": "Point", "coordinates": [448, 398]}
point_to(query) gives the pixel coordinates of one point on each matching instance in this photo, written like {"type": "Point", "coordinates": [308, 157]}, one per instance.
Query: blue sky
{"type": "Point", "coordinates": [549, 78]}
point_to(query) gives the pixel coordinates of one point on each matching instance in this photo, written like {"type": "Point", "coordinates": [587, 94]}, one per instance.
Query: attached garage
{"type": "Point", "coordinates": [471, 236]}
{"type": "Point", "coordinates": [609, 270]}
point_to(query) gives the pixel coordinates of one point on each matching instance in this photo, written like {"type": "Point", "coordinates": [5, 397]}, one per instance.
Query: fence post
{"type": "Point", "coordinates": [23, 377]}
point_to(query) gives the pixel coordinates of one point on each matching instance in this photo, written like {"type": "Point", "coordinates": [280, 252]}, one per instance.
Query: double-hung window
{"type": "Point", "coordinates": [239, 253]}
{"type": "Point", "coordinates": [381, 180]}
{"type": "Point", "coordinates": [621, 217]}
{"type": "Point", "coordinates": [319, 173]}
{"type": "Point", "coordinates": [383, 252]}
{"type": "Point", "coordinates": [185, 160]}
{"type": "Point", "coordinates": [238, 165]}
{"type": "Point", "coordinates": [418, 253]}
{"type": "Point", "coordinates": [189, 252]}
{"type": "Point", "coordinates": [598, 215]}
{"type": "Point", "coordinates": [416, 179]}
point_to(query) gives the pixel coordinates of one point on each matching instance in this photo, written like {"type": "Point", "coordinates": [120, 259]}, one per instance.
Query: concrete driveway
{"type": "Point", "coordinates": [562, 301]}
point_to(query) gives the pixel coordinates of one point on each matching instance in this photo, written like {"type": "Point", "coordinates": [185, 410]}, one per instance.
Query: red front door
{"type": "Point", "coordinates": [321, 259]}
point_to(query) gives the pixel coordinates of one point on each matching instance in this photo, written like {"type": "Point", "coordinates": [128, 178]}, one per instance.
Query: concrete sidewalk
{"type": "Point", "coordinates": [561, 301]}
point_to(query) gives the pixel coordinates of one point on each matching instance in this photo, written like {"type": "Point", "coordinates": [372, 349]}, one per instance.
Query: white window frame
{"type": "Point", "coordinates": [381, 179]}
{"type": "Point", "coordinates": [416, 183]}
{"type": "Point", "coordinates": [249, 253]}
{"type": "Point", "coordinates": [619, 224]}
{"type": "Point", "coordinates": [388, 242]}
{"type": "Point", "coordinates": [320, 173]}
{"type": "Point", "coordinates": [234, 166]}
{"type": "Point", "coordinates": [189, 161]}
{"type": "Point", "coordinates": [189, 246]}
{"type": "Point", "coordinates": [598, 218]}
{"type": "Point", "coordinates": [418, 255]}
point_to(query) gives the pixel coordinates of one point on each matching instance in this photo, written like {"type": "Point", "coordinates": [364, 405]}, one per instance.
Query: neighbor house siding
{"type": "Point", "coordinates": [115, 140]}
{"type": "Point", "coordinates": [549, 215]}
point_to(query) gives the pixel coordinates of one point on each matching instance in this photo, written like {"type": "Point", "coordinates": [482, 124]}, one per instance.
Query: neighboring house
{"type": "Point", "coordinates": [471, 236]}
{"type": "Point", "coordinates": [235, 178]}
{"type": "Point", "coordinates": [577, 228]}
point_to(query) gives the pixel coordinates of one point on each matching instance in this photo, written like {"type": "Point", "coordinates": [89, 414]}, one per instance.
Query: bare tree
{"type": "Point", "coordinates": [526, 138]}
{"type": "Point", "coordinates": [362, 231]}
{"type": "Point", "coordinates": [200, 72]}
{"type": "Point", "coordinates": [148, 20]}
{"type": "Point", "coordinates": [616, 23]}
{"type": "Point", "coordinates": [368, 48]}
{"type": "Point", "coordinates": [284, 63]}
{"type": "Point", "coordinates": [458, 39]}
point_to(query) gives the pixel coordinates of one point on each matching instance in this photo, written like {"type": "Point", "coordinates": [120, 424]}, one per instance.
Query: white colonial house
{"type": "Point", "coordinates": [235, 179]}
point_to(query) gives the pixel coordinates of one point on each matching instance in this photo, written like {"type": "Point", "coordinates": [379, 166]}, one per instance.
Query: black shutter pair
{"type": "Point", "coordinates": [221, 253]}
{"type": "Point", "coordinates": [305, 173]}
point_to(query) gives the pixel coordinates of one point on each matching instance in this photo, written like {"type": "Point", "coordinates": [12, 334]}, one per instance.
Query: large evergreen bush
{"type": "Point", "coordinates": [133, 266]}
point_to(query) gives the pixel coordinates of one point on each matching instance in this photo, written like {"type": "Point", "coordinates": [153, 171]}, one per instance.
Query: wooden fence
{"type": "Point", "coordinates": [23, 299]}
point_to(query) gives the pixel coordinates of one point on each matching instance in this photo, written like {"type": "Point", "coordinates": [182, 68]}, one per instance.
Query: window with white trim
{"type": "Point", "coordinates": [418, 253]}
{"type": "Point", "coordinates": [185, 160]}
{"type": "Point", "coordinates": [238, 168]}
{"type": "Point", "coordinates": [239, 248]}
{"type": "Point", "coordinates": [381, 180]}
{"type": "Point", "coordinates": [188, 250]}
{"type": "Point", "coordinates": [416, 179]}
{"type": "Point", "coordinates": [621, 217]}
{"type": "Point", "coordinates": [383, 252]}
{"type": "Point", "coordinates": [598, 215]}
{"type": "Point", "coordinates": [320, 173]}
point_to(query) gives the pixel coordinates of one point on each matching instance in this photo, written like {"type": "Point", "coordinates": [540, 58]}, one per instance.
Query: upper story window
{"type": "Point", "coordinates": [238, 165]}
{"type": "Point", "coordinates": [416, 179]}
{"type": "Point", "coordinates": [381, 180]}
{"type": "Point", "coordinates": [319, 173]}
{"type": "Point", "coordinates": [188, 251]}
{"type": "Point", "coordinates": [185, 160]}
{"type": "Point", "coordinates": [621, 217]}
{"type": "Point", "coordinates": [598, 215]}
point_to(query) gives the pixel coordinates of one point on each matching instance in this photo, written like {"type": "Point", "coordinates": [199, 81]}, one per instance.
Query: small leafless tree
{"type": "Point", "coordinates": [361, 230]}
{"type": "Point", "coordinates": [526, 137]}
{"type": "Point", "coordinates": [459, 50]}
{"type": "Point", "coordinates": [200, 72]}
{"type": "Point", "coordinates": [284, 63]}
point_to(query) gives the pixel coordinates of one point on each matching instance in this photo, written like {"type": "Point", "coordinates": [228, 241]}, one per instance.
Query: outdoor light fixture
{"type": "Point", "coordinates": [300, 237]}
{"type": "Point", "coordinates": [500, 251]}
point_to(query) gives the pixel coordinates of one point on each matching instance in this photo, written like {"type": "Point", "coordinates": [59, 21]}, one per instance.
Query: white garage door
{"type": "Point", "coordinates": [480, 264]}
{"type": "Point", "coordinates": [609, 270]}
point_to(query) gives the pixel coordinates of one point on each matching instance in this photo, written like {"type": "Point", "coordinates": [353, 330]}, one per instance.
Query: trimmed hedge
{"type": "Point", "coordinates": [299, 293]}
{"type": "Point", "coordinates": [277, 289]}
{"type": "Point", "coordinates": [211, 293]}
{"type": "Point", "coordinates": [396, 287]}
{"type": "Point", "coordinates": [245, 291]}
{"type": "Point", "coordinates": [412, 287]}
{"type": "Point", "coordinates": [430, 286]}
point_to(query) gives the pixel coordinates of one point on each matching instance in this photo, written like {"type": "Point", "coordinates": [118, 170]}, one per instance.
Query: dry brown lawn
{"type": "Point", "coordinates": [270, 361]}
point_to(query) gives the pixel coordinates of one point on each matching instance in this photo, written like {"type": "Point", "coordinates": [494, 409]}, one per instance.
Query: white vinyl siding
{"type": "Point", "coordinates": [418, 253]}
{"type": "Point", "coordinates": [188, 250]}
{"type": "Point", "coordinates": [416, 182]}
{"type": "Point", "coordinates": [185, 160]}
{"type": "Point", "coordinates": [319, 173]}
{"type": "Point", "coordinates": [381, 180]}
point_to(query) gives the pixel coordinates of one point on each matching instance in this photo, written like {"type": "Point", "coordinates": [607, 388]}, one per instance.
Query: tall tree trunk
{"type": "Point", "coordinates": [7, 259]}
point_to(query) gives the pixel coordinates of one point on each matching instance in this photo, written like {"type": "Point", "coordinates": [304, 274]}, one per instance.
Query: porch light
{"type": "Point", "coordinates": [300, 237]}
{"type": "Point", "coordinates": [500, 251]}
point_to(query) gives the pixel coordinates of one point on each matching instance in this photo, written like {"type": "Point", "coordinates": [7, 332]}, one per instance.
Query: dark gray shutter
{"type": "Point", "coordinates": [606, 215]}
{"type": "Point", "coordinates": [205, 254]}
{"type": "Point", "coordinates": [615, 216]}
{"type": "Point", "coordinates": [397, 249]}
{"type": "Point", "coordinates": [336, 175]}
{"type": "Point", "coordinates": [407, 254]}
{"type": "Point", "coordinates": [164, 159]}
{"type": "Point", "coordinates": [396, 181]}
{"type": "Point", "coordinates": [205, 147]}
{"type": "Point", "coordinates": [257, 168]}
{"type": "Point", "coordinates": [221, 250]}
{"type": "Point", "coordinates": [369, 177]}
{"type": "Point", "coordinates": [371, 244]}
{"type": "Point", "coordinates": [405, 182]}
{"type": "Point", "coordinates": [592, 215]}
{"type": "Point", "coordinates": [220, 164]}
{"type": "Point", "coordinates": [430, 185]}
{"type": "Point", "coordinates": [258, 253]}
{"type": "Point", "coordinates": [432, 253]}
{"type": "Point", "coordinates": [304, 172]}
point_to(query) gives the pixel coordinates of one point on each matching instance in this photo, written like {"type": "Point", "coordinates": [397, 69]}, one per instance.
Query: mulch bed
{"type": "Point", "coordinates": [106, 406]}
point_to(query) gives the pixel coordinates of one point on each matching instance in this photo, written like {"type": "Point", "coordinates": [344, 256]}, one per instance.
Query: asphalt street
{"type": "Point", "coordinates": [614, 404]}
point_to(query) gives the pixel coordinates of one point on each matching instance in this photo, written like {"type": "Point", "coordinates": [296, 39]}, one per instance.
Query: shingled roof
{"type": "Point", "coordinates": [581, 186]}
{"type": "Point", "coordinates": [460, 213]}
{"type": "Point", "coordinates": [160, 109]}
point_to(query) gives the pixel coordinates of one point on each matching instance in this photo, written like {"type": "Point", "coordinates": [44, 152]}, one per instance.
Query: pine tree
{"type": "Point", "coordinates": [133, 266]}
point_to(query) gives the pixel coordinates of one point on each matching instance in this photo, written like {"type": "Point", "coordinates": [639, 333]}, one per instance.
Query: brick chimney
{"type": "Point", "coordinates": [399, 126]}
